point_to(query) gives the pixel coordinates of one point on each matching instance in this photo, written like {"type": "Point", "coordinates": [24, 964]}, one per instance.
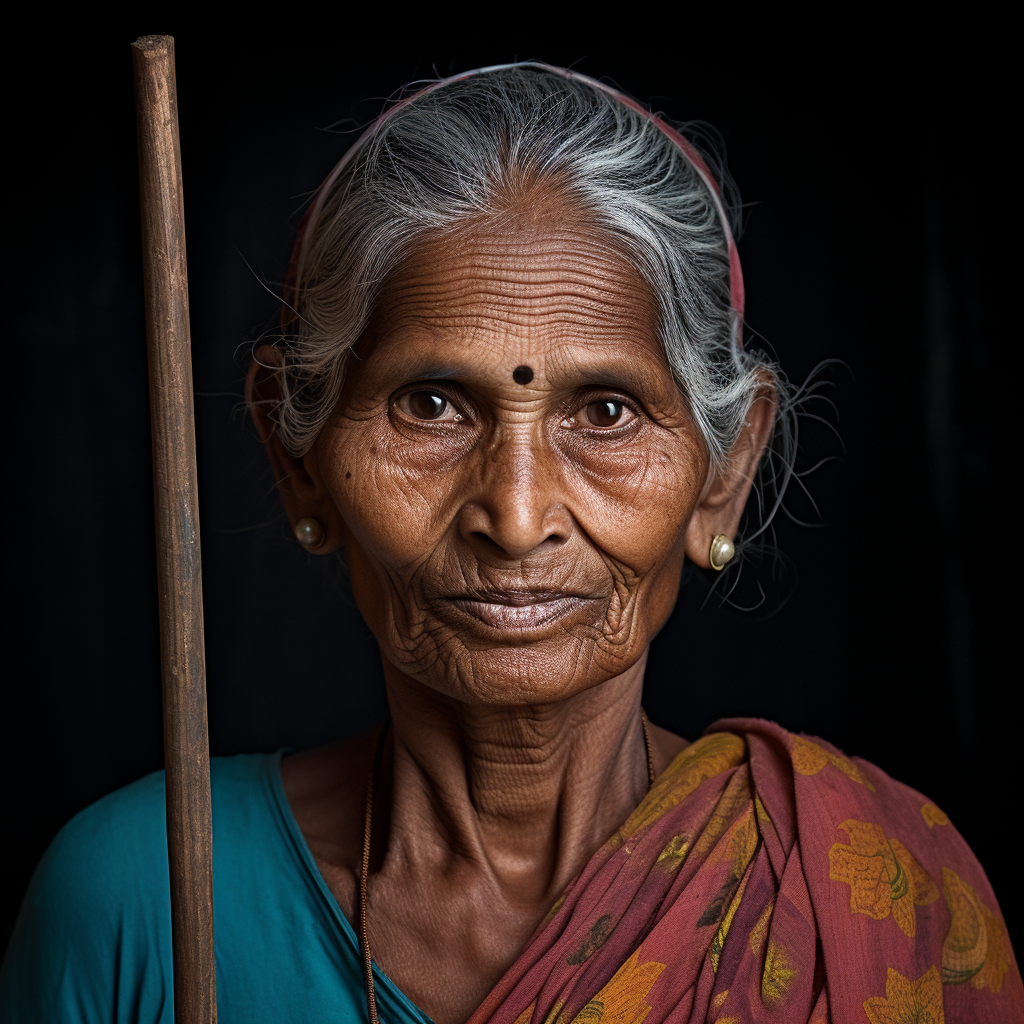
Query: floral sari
{"type": "Point", "coordinates": [767, 877]}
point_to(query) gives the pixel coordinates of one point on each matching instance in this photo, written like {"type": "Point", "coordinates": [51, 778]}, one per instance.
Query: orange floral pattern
{"type": "Point", "coordinates": [672, 856]}
{"type": "Point", "coordinates": [624, 999]}
{"type": "Point", "coordinates": [708, 757]}
{"type": "Point", "coordinates": [883, 876]}
{"type": "Point", "coordinates": [779, 973]}
{"type": "Point", "coordinates": [976, 948]}
{"type": "Point", "coordinates": [934, 815]}
{"type": "Point", "coordinates": [907, 1001]}
{"type": "Point", "coordinates": [731, 896]}
{"type": "Point", "coordinates": [809, 759]}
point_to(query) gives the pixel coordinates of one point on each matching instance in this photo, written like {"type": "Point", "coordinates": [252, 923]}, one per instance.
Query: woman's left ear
{"type": "Point", "coordinates": [312, 512]}
{"type": "Point", "coordinates": [721, 508]}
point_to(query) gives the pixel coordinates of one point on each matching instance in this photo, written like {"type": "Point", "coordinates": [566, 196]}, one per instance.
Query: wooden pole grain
{"type": "Point", "coordinates": [183, 667]}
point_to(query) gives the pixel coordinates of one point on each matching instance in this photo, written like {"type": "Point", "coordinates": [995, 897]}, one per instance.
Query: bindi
{"type": "Point", "coordinates": [522, 374]}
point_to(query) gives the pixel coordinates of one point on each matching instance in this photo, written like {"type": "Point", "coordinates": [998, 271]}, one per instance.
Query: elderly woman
{"type": "Point", "coordinates": [511, 389]}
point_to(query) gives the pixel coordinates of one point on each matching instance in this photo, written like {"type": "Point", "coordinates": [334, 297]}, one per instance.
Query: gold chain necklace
{"type": "Point", "coordinates": [364, 940]}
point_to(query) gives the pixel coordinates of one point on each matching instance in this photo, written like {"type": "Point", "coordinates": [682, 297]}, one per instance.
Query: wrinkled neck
{"type": "Point", "coordinates": [527, 793]}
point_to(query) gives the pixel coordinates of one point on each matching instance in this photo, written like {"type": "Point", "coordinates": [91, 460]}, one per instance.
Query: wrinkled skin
{"type": "Point", "coordinates": [514, 547]}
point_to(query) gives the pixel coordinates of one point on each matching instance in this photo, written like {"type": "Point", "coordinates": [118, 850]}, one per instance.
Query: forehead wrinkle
{"type": "Point", "coordinates": [553, 267]}
{"type": "Point", "coordinates": [454, 301]}
{"type": "Point", "coordinates": [524, 296]}
{"type": "Point", "coordinates": [432, 343]}
{"type": "Point", "coordinates": [463, 302]}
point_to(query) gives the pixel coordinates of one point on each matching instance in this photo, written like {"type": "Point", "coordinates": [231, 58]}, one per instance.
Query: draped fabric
{"type": "Point", "coordinates": [767, 877]}
{"type": "Point", "coordinates": [764, 877]}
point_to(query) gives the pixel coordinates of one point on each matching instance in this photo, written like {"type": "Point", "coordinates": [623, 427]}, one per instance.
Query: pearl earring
{"type": "Point", "coordinates": [722, 550]}
{"type": "Point", "coordinates": [310, 533]}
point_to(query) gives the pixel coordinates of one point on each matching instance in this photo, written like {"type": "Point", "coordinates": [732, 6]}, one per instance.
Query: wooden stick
{"type": "Point", "coordinates": [186, 745]}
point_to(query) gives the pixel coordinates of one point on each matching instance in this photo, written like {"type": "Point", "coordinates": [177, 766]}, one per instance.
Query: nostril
{"type": "Point", "coordinates": [488, 542]}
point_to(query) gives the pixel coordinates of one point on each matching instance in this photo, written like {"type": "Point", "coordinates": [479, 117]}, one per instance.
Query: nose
{"type": "Point", "coordinates": [515, 507]}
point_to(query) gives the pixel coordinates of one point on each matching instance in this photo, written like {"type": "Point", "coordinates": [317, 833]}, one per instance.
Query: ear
{"type": "Point", "coordinates": [726, 495]}
{"type": "Point", "coordinates": [299, 480]}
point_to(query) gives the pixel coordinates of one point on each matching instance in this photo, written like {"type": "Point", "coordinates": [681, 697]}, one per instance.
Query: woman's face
{"type": "Point", "coordinates": [511, 466]}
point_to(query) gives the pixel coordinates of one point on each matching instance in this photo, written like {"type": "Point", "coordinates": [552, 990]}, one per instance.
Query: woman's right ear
{"type": "Point", "coordinates": [304, 495]}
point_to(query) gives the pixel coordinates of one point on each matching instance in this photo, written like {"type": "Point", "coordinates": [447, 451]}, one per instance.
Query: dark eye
{"type": "Point", "coordinates": [606, 413]}
{"type": "Point", "coordinates": [428, 405]}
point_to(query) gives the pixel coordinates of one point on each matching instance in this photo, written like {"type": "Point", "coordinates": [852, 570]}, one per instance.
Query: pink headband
{"type": "Point", "coordinates": [736, 295]}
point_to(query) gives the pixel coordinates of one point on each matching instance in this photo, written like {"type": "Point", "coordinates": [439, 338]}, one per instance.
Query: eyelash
{"type": "Point", "coordinates": [579, 405]}
{"type": "Point", "coordinates": [582, 403]}
{"type": "Point", "coordinates": [432, 390]}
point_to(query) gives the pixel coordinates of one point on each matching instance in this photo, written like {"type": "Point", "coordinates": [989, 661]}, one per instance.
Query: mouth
{"type": "Point", "coordinates": [519, 610]}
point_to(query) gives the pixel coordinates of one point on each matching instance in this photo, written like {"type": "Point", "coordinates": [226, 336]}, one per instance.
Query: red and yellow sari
{"type": "Point", "coordinates": [767, 877]}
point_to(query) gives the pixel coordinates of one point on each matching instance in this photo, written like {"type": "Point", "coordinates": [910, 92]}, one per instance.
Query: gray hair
{"type": "Point", "coordinates": [461, 150]}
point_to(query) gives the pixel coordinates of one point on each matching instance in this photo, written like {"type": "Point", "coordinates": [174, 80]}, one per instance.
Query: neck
{"type": "Point", "coordinates": [525, 794]}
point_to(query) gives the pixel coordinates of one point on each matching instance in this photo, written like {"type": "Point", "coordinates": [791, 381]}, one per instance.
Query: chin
{"type": "Point", "coordinates": [513, 671]}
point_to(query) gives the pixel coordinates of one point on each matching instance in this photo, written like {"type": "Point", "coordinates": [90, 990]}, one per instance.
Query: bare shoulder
{"type": "Point", "coordinates": [326, 789]}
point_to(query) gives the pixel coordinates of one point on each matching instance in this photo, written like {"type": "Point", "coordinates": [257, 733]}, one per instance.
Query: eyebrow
{"type": "Point", "coordinates": [435, 371]}
{"type": "Point", "coordinates": [619, 378]}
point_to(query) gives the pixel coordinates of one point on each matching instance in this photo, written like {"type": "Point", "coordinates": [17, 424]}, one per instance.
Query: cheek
{"type": "Point", "coordinates": [394, 509]}
{"type": "Point", "coordinates": [636, 501]}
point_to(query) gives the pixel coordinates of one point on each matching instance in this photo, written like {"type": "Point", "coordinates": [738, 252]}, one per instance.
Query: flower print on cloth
{"type": "Point", "coordinates": [624, 999]}
{"type": "Point", "coordinates": [753, 885]}
{"type": "Point", "coordinates": [883, 876]}
{"type": "Point", "coordinates": [707, 758]}
{"type": "Point", "coordinates": [934, 815]}
{"type": "Point", "coordinates": [977, 948]}
{"type": "Point", "coordinates": [809, 759]}
{"type": "Point", "coordinates": [780, 970]}
{"type": "Point", "coordinates": [907, 1001]}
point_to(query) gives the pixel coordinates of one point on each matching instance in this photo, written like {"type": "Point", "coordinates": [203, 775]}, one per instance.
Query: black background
{"type": "Point", "coordinates": [872, 166]}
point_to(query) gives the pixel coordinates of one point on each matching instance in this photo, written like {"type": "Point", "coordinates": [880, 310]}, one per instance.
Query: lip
{"type": "Point", "coordinates": [518, 610]}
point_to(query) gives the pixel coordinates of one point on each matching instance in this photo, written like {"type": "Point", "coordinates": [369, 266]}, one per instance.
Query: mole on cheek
{"type": "Point", "coordinates": [522, 374]}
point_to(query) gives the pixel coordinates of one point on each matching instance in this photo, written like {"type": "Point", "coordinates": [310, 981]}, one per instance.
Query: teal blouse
{"type": "Point", "coordinates": [93, 940]}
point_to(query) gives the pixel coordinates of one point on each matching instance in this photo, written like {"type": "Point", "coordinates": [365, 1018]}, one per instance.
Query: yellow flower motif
{"type": "Point", "coordinates": [735, 799]}
{"type": "Point", "coordinates": [779, 968]}
{"type": "Point", "coordinates": [760, 930]}
{"type": "Point", "coordinates": [809, 758]}
{"type": "Point", "coordinates": [718, 942]}
{"type": "Point", "coordinates": [624, 999]}
{"type": "Point", "coordinates": [883, 876]}
{"type": "Point", "coordinates": [762, 814]}
{"type": "Point", "coordinates": [524, 1017]}
{"type": "Point", "coordinates": [977, 948]}
{"type": "Point", "coordinates": [779, 973]}
{"type": "Point", "coordinates": [907, 1001]}
{"type": "Point", "coordinates": [672, 856]}
{"type": "Point", "coordinates": [933, 815]}
{"type": "Point", "coordinates": [703, 759]}
{"type": "Point", "coordinates": [735, 844]}
{"type": "Point", "coordinates": [716, 1003]}
{"type": "Point", "coordinates": [554, 1013]}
